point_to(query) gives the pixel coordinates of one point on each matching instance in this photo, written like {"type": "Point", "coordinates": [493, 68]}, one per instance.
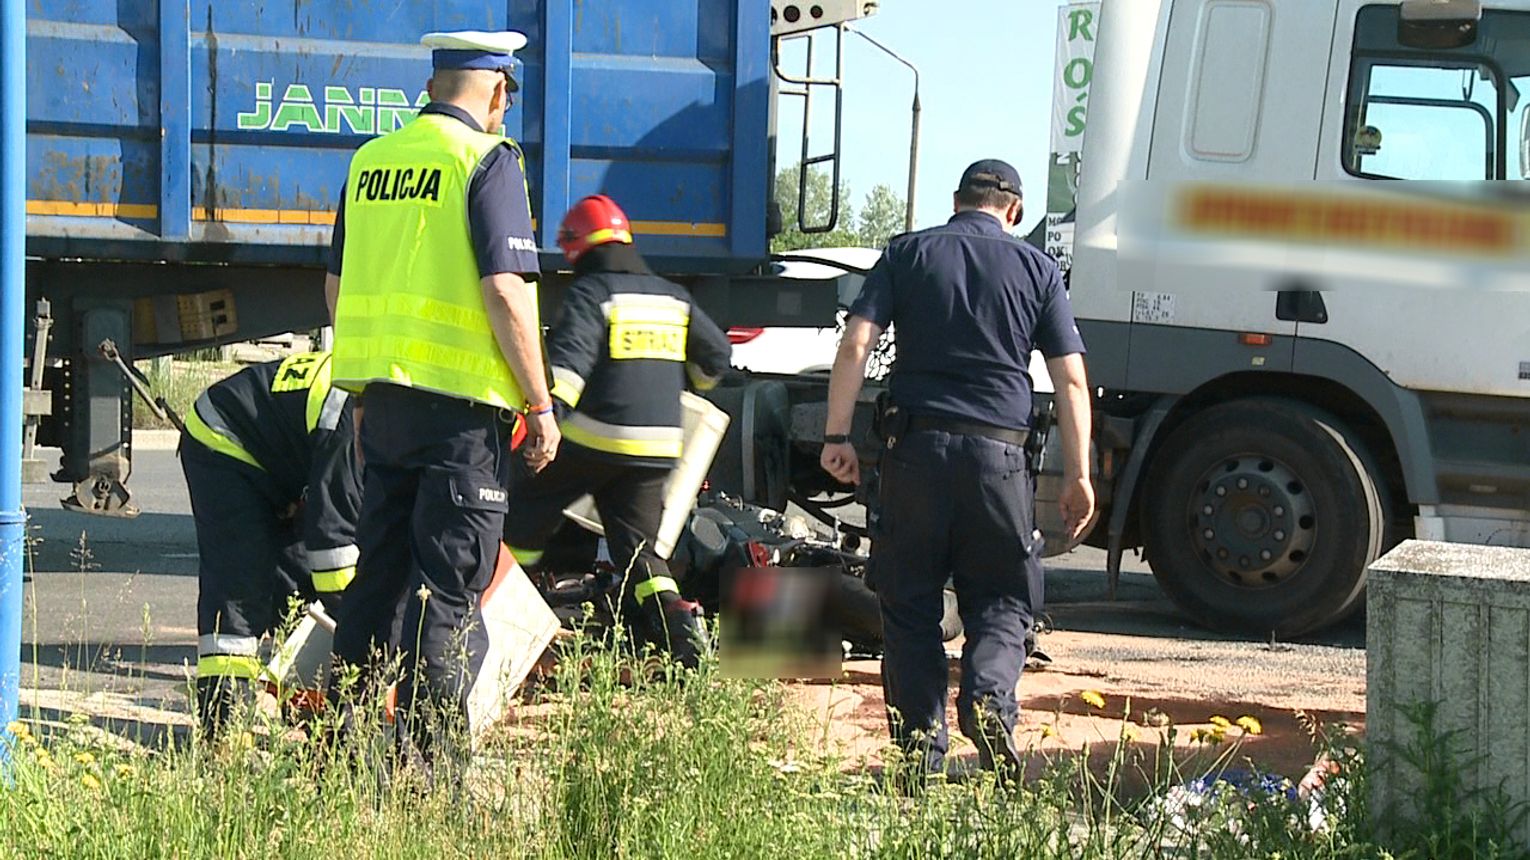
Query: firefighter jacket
{"type": "Point", "coordinates": [284, 418]}
{"type": "Point", "coordinates": [625, 343]}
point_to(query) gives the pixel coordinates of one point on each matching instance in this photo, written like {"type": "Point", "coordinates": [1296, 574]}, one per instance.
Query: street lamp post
{"type": "Point", "coordinates": [913, 145]}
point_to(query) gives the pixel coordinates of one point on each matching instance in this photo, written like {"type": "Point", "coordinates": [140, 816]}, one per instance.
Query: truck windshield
{"type": "Point", "coordinates": [1433, 114]}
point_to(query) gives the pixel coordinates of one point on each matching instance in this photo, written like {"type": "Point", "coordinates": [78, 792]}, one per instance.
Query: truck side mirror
{"type": "Point", "coordinates": [1439, 23]}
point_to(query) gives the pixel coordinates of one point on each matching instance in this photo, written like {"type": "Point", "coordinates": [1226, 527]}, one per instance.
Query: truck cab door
{"type": "Point", "coordinates": [1239, 103]}
{"type": "Point", "coordinates": [1433, 295]}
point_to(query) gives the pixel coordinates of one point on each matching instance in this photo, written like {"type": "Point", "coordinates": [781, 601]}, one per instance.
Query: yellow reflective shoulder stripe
{"type": "Point", "coordinates": [228, 666]}
{"type": "Point", "coordinates": [333, 581]}
{"type": "Point", "coordinates": [200, 431]}
{"type": "Point", "coordinates": [660, 442]}
{"type": "Point", "coordinates": [300, 371]}
{"type": "Point", "coordinates": [653, 585]}
{"type": "Point", "coordinates": [319, 392]}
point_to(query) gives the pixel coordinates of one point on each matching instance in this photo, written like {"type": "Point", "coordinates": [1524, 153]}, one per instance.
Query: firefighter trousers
{"type": "Point", "coordinates": [630, 499]}
{"type": "Point", "coordinates": [250, 565]}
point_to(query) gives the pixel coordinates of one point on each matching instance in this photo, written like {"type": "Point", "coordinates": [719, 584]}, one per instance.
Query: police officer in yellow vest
{"type": "Point", "coordinates": [436, 327]}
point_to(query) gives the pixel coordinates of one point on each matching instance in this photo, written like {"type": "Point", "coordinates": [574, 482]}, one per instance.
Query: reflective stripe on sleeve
{"type": "Point", "coordinates": [226, 666]}
{"type": "Point", "coordinates": [333, 559]}
{"type": "Point", "coordinates": [205, 425]}
{"type": "Point", "coordinates": [568, 386]}
{"type": "Point", "coordinates": [333, 581]}
{"type": "Point", "coordinates": [223, 643]}
{"type": "Point", "coordinates": [700, 379]}
{"type": "Point", "coordinates": [653, 585]}
{"type": "Point", "coordinates": [632, 441]}
{"type": "Point", "coordinates": [525, 557]}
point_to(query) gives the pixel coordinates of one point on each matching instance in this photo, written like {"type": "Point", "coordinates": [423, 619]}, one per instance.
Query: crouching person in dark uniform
{"type": "Point", "coordinates": [272, 439]}
{"type": "Point", "coordinates": [969, 304]}
{"type": "Point", "coordinates": [621, 350]}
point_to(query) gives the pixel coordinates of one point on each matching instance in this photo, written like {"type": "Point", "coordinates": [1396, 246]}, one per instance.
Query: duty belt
{"type": "Point", "coordinates": [968, 428]}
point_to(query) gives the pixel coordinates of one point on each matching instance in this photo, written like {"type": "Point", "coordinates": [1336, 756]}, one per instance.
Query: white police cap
{"type": "Point", "coordinates": [474, 49]}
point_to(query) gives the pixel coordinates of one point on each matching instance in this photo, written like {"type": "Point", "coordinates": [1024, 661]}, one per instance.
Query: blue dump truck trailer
{"type": "Point", "coordinates": [185, 156]}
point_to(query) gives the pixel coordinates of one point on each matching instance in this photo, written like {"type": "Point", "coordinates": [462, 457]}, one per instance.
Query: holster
{"type": "Point", "coordinates": [890, 423]}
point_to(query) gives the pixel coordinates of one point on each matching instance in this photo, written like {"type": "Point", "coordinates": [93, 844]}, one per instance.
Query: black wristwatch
{"type": "Point", "coordinates": [835, 439]}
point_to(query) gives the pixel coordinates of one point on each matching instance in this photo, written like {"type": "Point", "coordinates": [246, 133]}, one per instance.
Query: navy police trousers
{"type": "Point", "coordinates": [432, 514]}
{"type": "Point", "coordinates": [959, 507]}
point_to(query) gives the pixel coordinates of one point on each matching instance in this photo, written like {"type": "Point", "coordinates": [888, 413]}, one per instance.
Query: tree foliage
{"type": "Point", "coordinates": [879, 219]}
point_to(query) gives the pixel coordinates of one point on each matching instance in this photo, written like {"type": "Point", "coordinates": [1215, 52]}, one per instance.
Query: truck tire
{"type": "Point", "coordinates": [1260, 517]}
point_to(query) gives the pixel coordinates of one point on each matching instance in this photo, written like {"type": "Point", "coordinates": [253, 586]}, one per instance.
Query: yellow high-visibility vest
{"type": "Point", "coordinates": [411, 308]}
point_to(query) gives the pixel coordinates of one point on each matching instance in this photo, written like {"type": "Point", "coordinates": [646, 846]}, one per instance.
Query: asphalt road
{"type": "Point", "coordinates": [110, 621]}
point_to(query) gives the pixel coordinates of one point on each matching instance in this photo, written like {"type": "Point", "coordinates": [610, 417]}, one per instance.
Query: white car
{"type": "Point", "coordinates": [801, 350]}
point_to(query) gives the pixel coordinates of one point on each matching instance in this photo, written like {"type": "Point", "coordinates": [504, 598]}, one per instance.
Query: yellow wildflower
{"type": "Point", "coordinates": [1047, 731]}
{"type": "Point", "coordinates": [1251, 725]}
{"type": "Point", "coordinates": [126, 771]}
{"type": "Point", "coordinates": [1220, 722]}
{"type": "Point", "coordinates": [1090, 697]}
{"type": "Point", "coordinates": [44, 760]}
{"type": "Point", "coordinates": [1208, 736]}
{"type": "Point", "coordinates": [90, 782]}
{"type": "Point", "coordinates": [19, 729]}
{"type": "Point", "coordinates": [85, 758]}
{"type": "Point", "coordinates": [1129, 733]}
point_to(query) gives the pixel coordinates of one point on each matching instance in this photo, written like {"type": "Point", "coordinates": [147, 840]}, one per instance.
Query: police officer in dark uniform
{"type": "Point", "coordinates": [968, 303]}
{"type": "Point", "coordinates": [624, 346]}
{"type": "Point", "coordinates": [436, 327]}
{"type": "Point", "coordinates": [259, 446]}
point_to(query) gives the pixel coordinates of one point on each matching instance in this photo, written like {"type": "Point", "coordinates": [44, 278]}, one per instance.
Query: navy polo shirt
{"type": "Point", "coordinates": [969, 303]}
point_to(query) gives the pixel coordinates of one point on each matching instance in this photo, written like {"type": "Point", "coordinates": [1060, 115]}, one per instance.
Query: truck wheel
{"type": "Point", "coordinates": [1261, 516]}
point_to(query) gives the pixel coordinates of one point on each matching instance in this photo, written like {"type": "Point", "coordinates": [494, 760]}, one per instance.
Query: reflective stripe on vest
{"type": "Point", "coordinates": [644, 326]}
{"type": "Point", "coordinates": [411, 308]}
{"type": "Point", "coordinates": [633, 441]}
{"type": "Point", "coordinates": [204, 424]}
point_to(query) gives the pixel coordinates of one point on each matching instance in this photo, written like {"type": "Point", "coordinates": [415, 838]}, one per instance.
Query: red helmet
{"type": "Point", "coordinates": [595, 220]}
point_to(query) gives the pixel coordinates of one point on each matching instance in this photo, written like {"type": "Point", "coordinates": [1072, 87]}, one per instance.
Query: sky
{"type": "Point", "coordinates": [985, 81]}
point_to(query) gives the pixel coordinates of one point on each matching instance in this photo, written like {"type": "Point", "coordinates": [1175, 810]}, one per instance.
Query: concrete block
{"type": "Point", "coordinates": [1450, 623]}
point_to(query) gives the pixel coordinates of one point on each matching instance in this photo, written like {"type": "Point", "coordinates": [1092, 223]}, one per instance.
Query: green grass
{"type": "Point", "coordinates": [180, 385]}
{"type": "Point", "coordinates": [657, 767]}
{"type": "Point", "coordinates": [613, 760]}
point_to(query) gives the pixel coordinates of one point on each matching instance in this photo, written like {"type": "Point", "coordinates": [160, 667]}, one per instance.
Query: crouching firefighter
{"type": "Point", "coordinates": [621, 350]}
{"type": "Point", "coordinates": [269, 458]}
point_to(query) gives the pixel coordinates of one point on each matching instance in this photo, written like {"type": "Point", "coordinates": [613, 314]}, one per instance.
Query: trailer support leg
{"type": "Point", "coordinates": [100, 416]}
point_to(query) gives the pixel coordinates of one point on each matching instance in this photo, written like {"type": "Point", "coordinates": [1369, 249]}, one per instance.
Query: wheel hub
{"type": "Point", "coordinates": [1252, 521]}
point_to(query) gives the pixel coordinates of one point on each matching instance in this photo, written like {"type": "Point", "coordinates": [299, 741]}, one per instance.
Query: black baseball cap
{"type": "Point", "coordinates": [991, 173]}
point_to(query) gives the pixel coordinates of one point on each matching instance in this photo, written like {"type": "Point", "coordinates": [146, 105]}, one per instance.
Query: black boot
{"type": "Point", "coordinates": [673, 624]}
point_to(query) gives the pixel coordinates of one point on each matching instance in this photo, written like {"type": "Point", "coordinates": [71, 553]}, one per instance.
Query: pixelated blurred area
{"type": "Point", "coordinates": [781, 622]}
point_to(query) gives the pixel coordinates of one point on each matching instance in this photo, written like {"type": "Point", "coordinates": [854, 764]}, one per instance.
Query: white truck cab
{"type": "Point", "coordinates": [1303, 362]}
